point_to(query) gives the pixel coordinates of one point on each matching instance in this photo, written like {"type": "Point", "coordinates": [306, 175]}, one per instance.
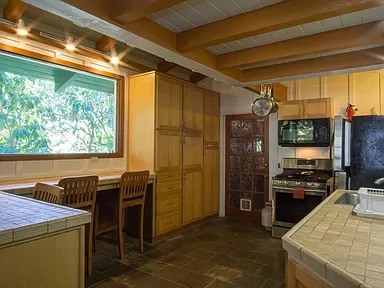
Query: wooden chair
{"type": "Point", "coordinates": [48, 193]}
{"type": "Point", "coordinates": [133, 186]}
{"type": "Point", "coordinates": [80, 192]}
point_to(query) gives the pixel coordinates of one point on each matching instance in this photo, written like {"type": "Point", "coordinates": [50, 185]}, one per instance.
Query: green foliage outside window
{"type": "Point", "coordinates": [55, 111]}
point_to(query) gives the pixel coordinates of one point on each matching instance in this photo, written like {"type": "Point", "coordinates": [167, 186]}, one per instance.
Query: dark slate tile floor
{"type": "Point", "coordinates": [220, 253]}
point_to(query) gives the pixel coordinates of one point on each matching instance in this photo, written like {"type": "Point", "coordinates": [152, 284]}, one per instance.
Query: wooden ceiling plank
{"type": "Point", "coordinates": [332, 63]}
{"type": "Point", "coordinates": [355, 36]}
{"type": "Point", "coordinates": [105, 43]}
{"type": "Point", "coordinates": [14, 10]}
{"type": "Point", "coordinates": [164, 66]}
{"type": "Point", "coordinates": [196, 77]}
{"type": "Point", "coordinates": [270, 18]}
{"type": "Point", "coordinates": [125, 11]}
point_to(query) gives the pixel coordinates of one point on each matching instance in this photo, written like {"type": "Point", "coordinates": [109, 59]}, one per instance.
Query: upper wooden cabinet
{"type": "Point", "coordinates": [211, 117]}
{"type": "Point", "coordinates": [169, 103]}
{"type": "Point", "coordinates": [193, 108]}
{"type": "Point", "coordinates": [306, 109]}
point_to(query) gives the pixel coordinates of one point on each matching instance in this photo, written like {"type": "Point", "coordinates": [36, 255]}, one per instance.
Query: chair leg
{"type": "Point", "coordinates": [89, 249]}
{"type": "Point", "coordinates": [96, 227]}
{"type": "Point", "coordinates": [141, 229]}
{"type": "Point", "coordinates": [121, 233]}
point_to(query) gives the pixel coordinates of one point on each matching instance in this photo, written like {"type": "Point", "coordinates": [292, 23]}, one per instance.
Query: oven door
{"type": "Point", "coordinates": [287, 211]}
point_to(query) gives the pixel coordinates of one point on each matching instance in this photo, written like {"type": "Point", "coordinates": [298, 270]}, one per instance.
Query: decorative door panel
{"type": "Point", "coordinates": [246, 166]}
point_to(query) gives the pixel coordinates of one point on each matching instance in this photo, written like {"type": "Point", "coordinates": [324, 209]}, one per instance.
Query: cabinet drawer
{"type": "Point", "coordinates": [168, 176]}
{"type": "Point", "coordinates": [167, 188]}
{"type": "Point", "coordinates": [167, 223]}
{"type": "Point", "coordinates": [168, 204]}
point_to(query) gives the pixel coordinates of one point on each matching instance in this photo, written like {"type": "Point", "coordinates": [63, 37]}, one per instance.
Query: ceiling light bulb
{"type": "Point", "coordinates": [115, 60]}
{"type": "Point", "coordinates": [21, 29]}
{"type": "Point", "coordinates": [70, 46]}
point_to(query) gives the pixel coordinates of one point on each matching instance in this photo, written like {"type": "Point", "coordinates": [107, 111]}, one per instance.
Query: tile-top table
{"type": "Point", "coordinates": [41, 244]}
{"type": "Point", "coordinates": [341, 249]}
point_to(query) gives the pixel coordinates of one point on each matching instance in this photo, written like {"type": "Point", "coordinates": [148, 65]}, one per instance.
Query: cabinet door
{"type": "Point", "coordinates": [211, 180]}
{"type": "Point", "coordinates": [193, 108]}
{"type": "Point", "coordinates": [192, 150]}
{"type": "Point", "coordinates": [192, 195]}
{"type": "Point", "coordinates": [290, 110]}
{"type": "Point", "coordinates": [168, 150]}
{"type": "Point", "coordinates": [318, 108]}
{"type": "Point", "coordinates": [169, 103]}
{"type": "Point", "coordinates": [211, 117]}
{"type": "Point", "coordinates": [366, 92]}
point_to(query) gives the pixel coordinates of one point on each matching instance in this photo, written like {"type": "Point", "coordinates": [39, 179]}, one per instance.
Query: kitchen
{"type": "Point", "coordinates": [345, 88]}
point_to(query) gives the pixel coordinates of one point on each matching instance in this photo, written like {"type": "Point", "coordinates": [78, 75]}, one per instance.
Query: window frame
{"type": "Point", "coordinates": [120, 86]}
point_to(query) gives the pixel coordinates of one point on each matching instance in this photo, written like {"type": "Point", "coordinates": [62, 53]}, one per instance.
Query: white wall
{"type": "Point", "coordinates": [18, 170]}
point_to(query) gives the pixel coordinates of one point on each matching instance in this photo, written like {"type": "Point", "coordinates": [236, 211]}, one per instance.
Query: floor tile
{"type": "Point", "coordinates": [220, 253]}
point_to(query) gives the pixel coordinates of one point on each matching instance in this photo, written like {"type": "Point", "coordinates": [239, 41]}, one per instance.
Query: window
{"type": "Point", "coordinates": [50, 111]}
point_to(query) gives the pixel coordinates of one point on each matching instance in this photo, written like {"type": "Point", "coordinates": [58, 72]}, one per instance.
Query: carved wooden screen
{"type": "Point", "coordinates": [246, 176]}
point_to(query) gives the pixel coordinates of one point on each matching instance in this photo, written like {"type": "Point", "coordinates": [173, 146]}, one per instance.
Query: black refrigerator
{"type": "Point", "coordinates": [367, 152]}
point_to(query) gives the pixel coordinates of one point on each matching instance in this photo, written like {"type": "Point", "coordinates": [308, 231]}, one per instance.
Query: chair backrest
{"type": "Point", "coordinates": [48, 193]}
{"type": "Point", "coordinates": [133, 185]}
{"type": "Point", "coordinates": [80, 191]}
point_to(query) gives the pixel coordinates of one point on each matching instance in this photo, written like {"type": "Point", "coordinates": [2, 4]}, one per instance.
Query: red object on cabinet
{"type": "Point", "coordinates": [350, 111]}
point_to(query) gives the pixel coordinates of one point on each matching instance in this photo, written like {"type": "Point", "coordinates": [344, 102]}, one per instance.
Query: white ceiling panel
{"type": "Point", "coordinates": [373, 14]}
{"type": "Point", "coordinates": [249, 42]}
{"type": "Point", "coordinates": [227, 7]}
{"type": "Point", "coordinates": [351, 19]}
{"type": "Point", "coordinates": [312, 28]}
{"type": "Point", "coordinates": [331, 23]}
{"type": "Point", "coordinates": [270, 2]}
{"type": "Point", "coordinates": [263, 39]}
{"type": "Point", "coordinates": [295, 31]}
{"type": "Point", "coordinates": [191, 14]}
{"type": "Point", "coordinates": [208, 10]}
{"type": "Point", "coordinates": [235, 45]}
{"type": "Point", "coordinates": [278, 35]}
{"type": "Point", "coordinates": [247, 5]}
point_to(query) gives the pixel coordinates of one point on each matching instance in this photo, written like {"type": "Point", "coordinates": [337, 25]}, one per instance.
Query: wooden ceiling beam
{"type": "Point", "coordinates": [267, 19]}
{"type": "Point", "coordinates": [332, 63]}
{"type": "Point", "coordinates": [105, 43]}
{"type": "Point", "coordinates": [355, 36]}
{"type": "Point", "coordinates": [14, 10]}
{"type": "Point", "coordinates": [164, 66]}
{"type": "Point", "coordinates": [126, 11]}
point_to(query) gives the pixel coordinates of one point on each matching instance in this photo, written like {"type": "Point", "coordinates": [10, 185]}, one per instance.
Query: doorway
{"type": "Point", "coordinates": [246, 166]}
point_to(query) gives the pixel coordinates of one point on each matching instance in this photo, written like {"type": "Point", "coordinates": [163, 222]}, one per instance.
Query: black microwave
{"type": "Point", "coordinates": [304, 132]}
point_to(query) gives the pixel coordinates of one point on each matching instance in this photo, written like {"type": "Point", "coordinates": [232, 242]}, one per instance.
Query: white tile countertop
{"type": "Point", "coordinates": [22, 218]}
{"type": "Point", "coordinates": [343, 249]}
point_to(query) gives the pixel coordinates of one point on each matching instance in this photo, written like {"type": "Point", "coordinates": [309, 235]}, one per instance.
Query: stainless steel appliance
{"type": "Point", "coordinates": [367, 152]}
{"type": "Point", "coordinates": [304, 132]}
{"type": "Point", "coordinates": [311, 177]}
{"type": "Point", "coordinates": [341, 151]}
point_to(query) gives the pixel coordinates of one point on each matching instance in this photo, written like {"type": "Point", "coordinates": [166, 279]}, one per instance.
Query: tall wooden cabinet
{"type": "Point", "coordinates": [211, 158]}
{"type": "Point", "coordinates": [165, 135]}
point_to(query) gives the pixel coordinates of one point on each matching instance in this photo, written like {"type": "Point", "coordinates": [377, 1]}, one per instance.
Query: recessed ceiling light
{"type": "Point", "coordinates": [70, 45]}
{"type": "Point", "coordinates": [21, 29]}
{"type": "Point", "coordinates": [115, 60]}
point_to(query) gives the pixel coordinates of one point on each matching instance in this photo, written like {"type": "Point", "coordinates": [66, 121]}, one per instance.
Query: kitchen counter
{"type": "Point", "coordinates": [340, 249]}
{"type": "Point", "coordinates": [22, 218]}
{"type": "Point", "coordinates": [41, 244]}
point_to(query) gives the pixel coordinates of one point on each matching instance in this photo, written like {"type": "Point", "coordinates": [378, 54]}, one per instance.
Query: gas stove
{"type": "Point", "coordinates": [307, 173]}
{"type": "Point", "coordinates": [298, 190]}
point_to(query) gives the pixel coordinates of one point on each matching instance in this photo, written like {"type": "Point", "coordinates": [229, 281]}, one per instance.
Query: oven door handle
{"type": "Point", "coordinates": [306, 191]}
